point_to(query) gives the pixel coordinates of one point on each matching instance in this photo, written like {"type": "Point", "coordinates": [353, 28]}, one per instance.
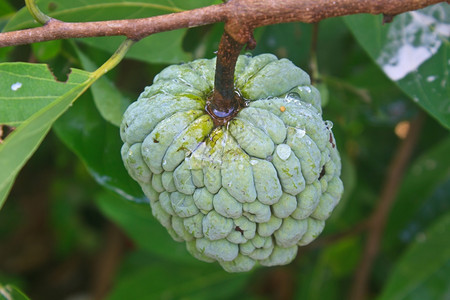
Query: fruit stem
{"type": "Point", "coordinates": [225, 101]}
{"type": "Point", "coordinates": [37, 14]}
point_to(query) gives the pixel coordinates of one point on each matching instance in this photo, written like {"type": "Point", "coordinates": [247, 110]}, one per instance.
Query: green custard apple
{"type": "Point", "coordinates": [250, 191]}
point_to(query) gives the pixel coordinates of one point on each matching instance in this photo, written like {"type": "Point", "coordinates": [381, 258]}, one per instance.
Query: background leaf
{"type": "Point", "coordinates": [137, 220]}
{"type": "Point", "coordinates": [5, 191]}
{"type": "Point", "coordinates": [27, 88]}
{"type": "Point", "coordinates": [6, 10]}
{"type": "Point", "coordinates": [97, 143]}
{"type": "Point", "coordinates": [9, 292]}
{"type": "Point", "coordinates": [425, 175]}
{"type": "Point", "coordinates": [109, 101]}
{"type": "Point", "coordinates": [37, 83]}
{"type": "Point", "coordinates": [47, 50]}
{"type": "Point", "coordinates": [56, 205]}
{"type": "Point", "coordinates": [422, 272]}
{"type": "Point", "coordinates": [413, 51]}
{"type": "Point", "coordinates": [143, 277]}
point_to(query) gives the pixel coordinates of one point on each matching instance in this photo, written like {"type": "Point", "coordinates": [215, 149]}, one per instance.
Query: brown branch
{"type": "Point", "coordinates": [135, 29]}
{"type": "Point", "coordinates": [225, 103]}
{"type": "Point", "coordinates": [377, 221]}
{"type": "Point", "coordinates": [241, 17]}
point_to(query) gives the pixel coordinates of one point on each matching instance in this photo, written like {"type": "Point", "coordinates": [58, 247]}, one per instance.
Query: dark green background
{"type": "Point", "coordinates": [60, 231]}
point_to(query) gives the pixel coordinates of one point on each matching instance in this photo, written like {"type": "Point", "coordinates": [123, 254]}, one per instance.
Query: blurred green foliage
{"type": "Point", "coordinates": [55, 226]}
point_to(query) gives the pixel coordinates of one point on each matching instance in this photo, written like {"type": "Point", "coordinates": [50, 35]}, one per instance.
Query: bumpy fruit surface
{"type": "Point", "coordinates": [245, 193]}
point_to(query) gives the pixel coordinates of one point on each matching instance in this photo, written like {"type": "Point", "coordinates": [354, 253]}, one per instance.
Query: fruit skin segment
{"type": "Point", "coordinates": [246, 193]}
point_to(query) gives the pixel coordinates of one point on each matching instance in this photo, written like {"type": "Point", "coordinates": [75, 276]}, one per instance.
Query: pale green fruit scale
{"type": "Point", "coordinates": [247, 193]}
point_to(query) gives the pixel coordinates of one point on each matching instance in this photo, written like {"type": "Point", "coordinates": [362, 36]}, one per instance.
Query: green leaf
{"type": "Point", "coordinates": [161, 48]}
{"type": "Point", "coordinates": [158, 48]}
{"type": "Point", "coordinates": [283, 40]}
{"type": "Point", "coordinates": [316, 280]}
{"type": "Point", "coordinates": [109, 101]}
{"type": "Point", "coordinates": [342, 257]}
{"type": "Point", "coordinates": [9, 292]}
{"type": "Point", "coordinates": [28, 88]}
{"type": "Point", "coordinates": [145, 278]}
{"type": "Point", "coordinates": [5, 191]}
{"type": "Point", "coordinates": [97, 143]}
{"type": "Point", "coordinates": [6, 11]}
{"type": "Point", "coordinates": [422, 271]}
{"type": "Point", "coordinates": [35, 82]}
{"type": "Point", "coordinates": [423, 177]}
{"type": "Point", "coordinates": [46, 50]}
{"type": "Point", "coordinates": [140, 225]}
{"type": "Point", "coordinates": [5, 8]}
{"type": "Point", "coordinates": [413, 51]}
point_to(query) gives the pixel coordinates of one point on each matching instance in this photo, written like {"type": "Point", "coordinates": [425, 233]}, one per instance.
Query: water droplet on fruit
{"type": "Point", "coordinates": [329, 124]}
{"type": "Point", "coordinates": [222, 114]}
{"type": "Point", "coordinates": [300, 132]}
{"type": "Point", "coordinates": [284, 151]}
{"type": "Point", "coordinates": [293, 96]}
{"type": "Point", "coordinates": [187, 160]}
{"type": "Point", "coordinates": [307, 89]}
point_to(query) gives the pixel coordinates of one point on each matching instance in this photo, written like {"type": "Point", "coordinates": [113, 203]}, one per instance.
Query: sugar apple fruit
{"type": "Point", "coordinates": [249, 192]}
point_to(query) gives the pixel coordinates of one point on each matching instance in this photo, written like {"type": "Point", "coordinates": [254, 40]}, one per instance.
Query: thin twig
{"type": "Point", "coordinates": [377, 221]}
{"type": "Point", "coordinates": [240, 16]}
{"type": "Point", "coordinates": [35, 12]}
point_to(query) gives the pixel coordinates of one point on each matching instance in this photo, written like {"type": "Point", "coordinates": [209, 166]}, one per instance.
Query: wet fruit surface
{"type": "Point", "coordinates": [250, 191]}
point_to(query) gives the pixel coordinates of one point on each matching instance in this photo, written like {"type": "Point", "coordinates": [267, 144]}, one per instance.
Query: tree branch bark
{"type": "Point", "coordinates": [240, 16]}
{"type": "Point", "coordinates": [134, 29]}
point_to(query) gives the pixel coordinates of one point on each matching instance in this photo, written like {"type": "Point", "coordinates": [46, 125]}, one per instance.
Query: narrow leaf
{"type": "Point", "coordinates": [9, 292]}
{"type": "Point", "coordinates": [138, 222]}
{"type": "Point", "coordinates": [97, 143]}
{"type": "Point", "coordinates": [4, 191]}
{"type": "Point", "coordinates": [145, 278]}
{"type": "Point", "coordinates": [425, 174]}
{"type": "Point", "coordinates": [24, 140]}
{"type": "Point", "coordinates": [109, 101]}
{"type": "Point", "coordinates": [27, 88]}
{"type": "Point", "coordinates": [422, 272]}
